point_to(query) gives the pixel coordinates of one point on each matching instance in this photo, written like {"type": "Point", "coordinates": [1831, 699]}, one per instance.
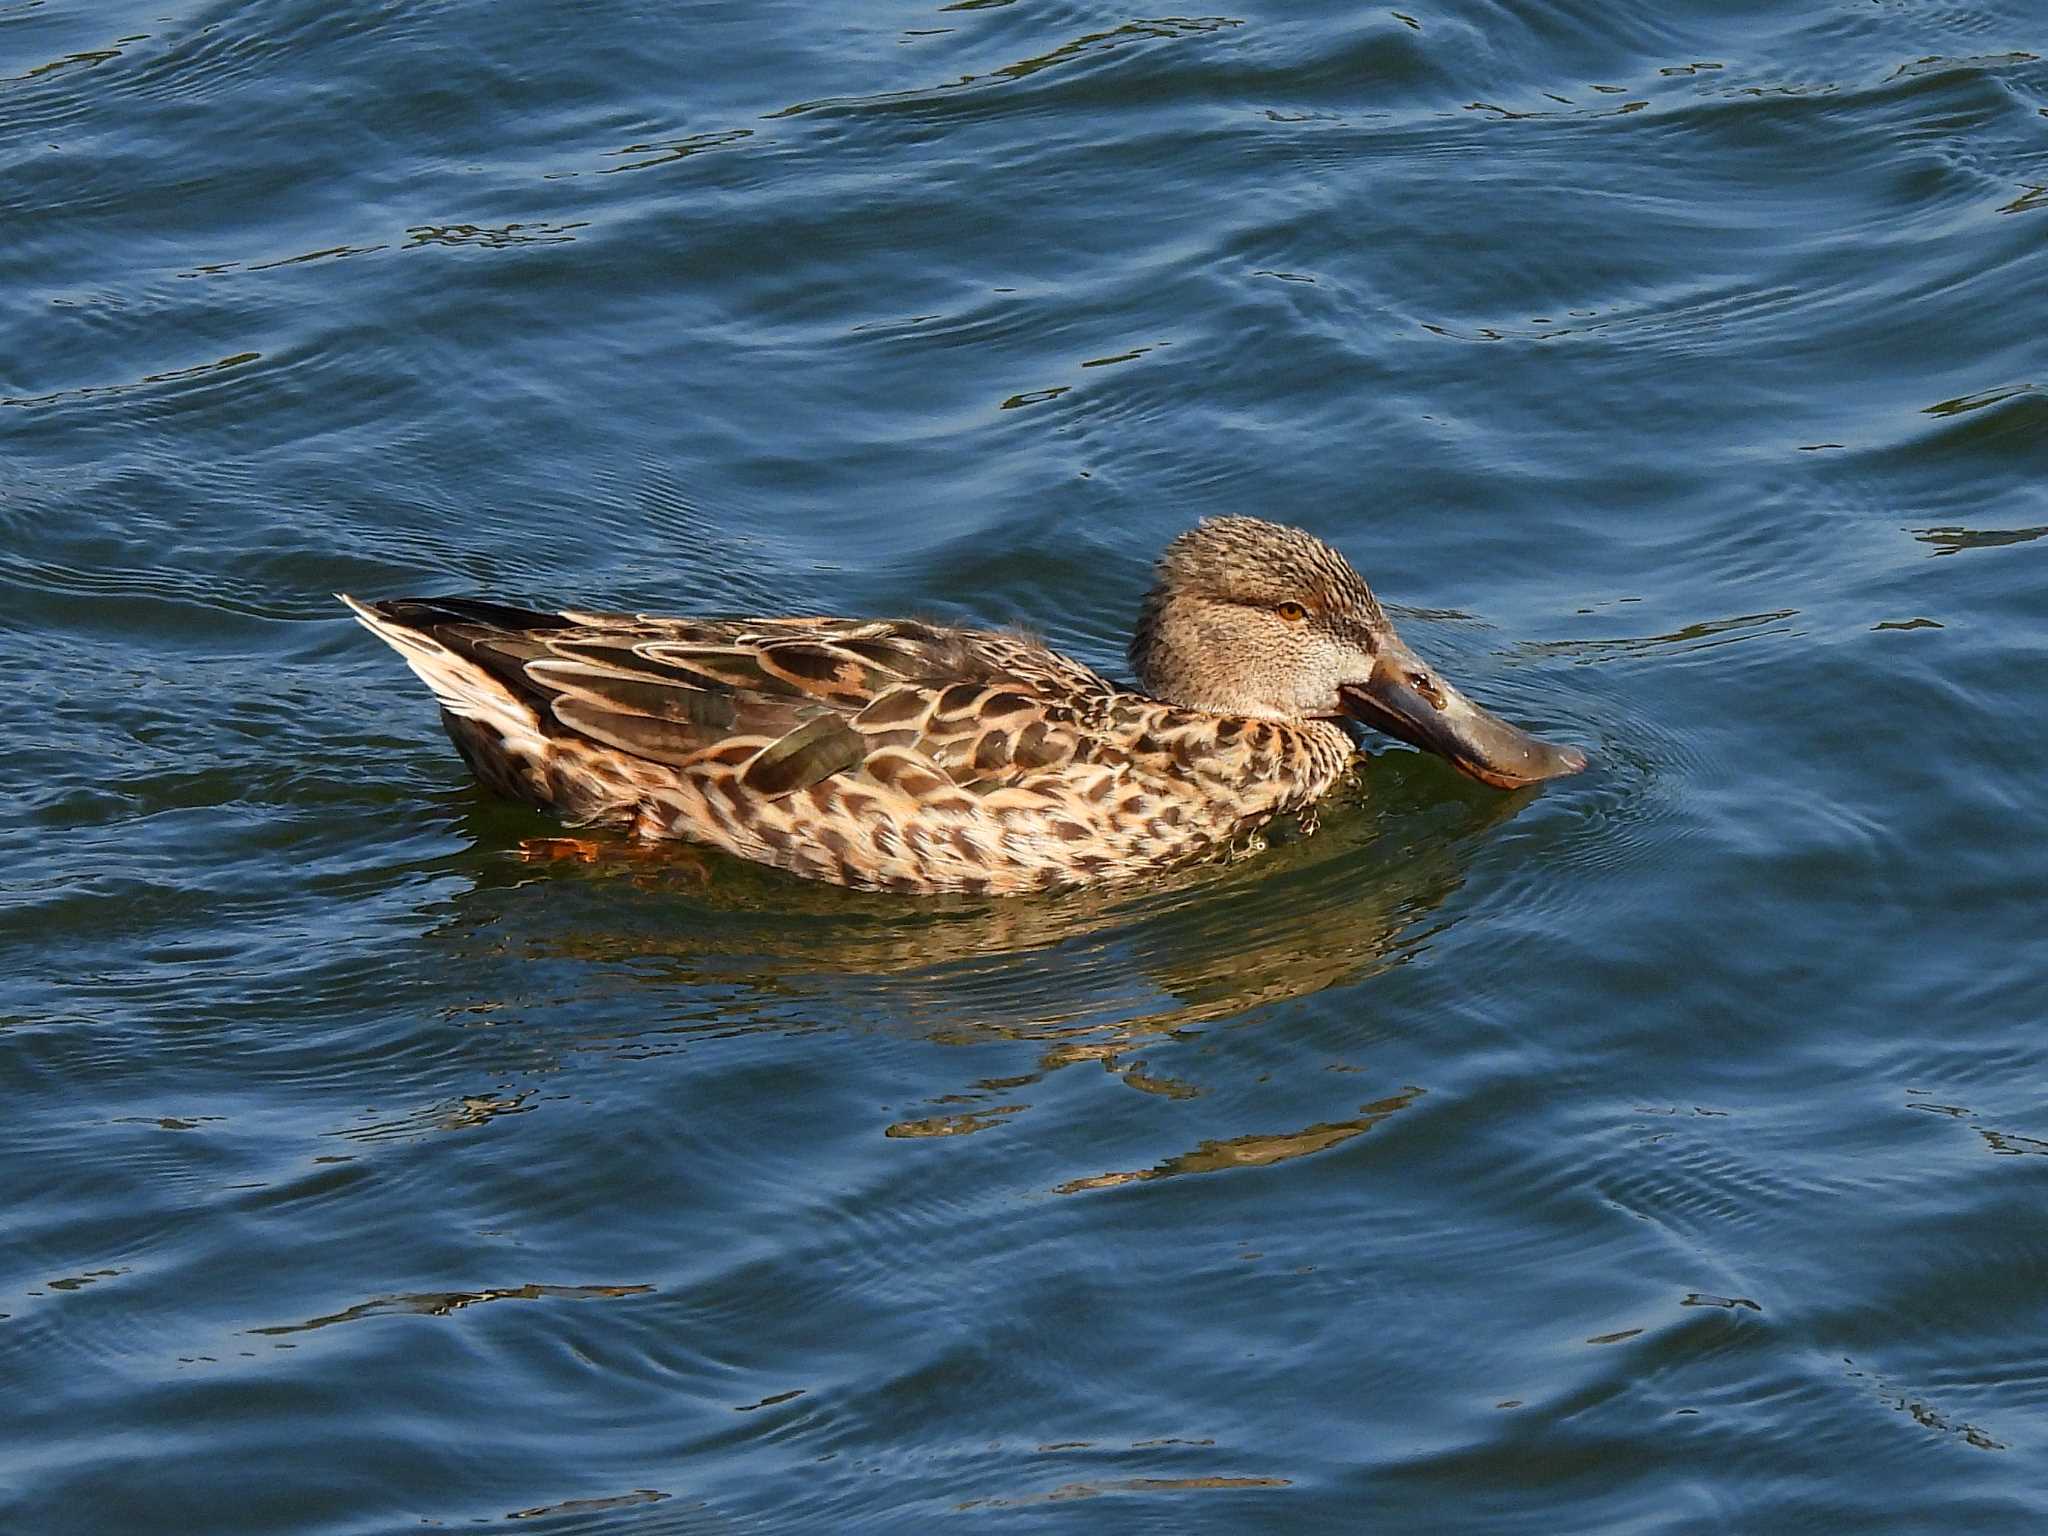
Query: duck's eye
{"type": "Point", "coordinates": [1293, 613]}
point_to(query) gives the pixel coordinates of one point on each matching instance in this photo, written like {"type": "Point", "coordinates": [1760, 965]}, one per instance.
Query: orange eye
{"type": "Point", "coordinates": [1293, 613]}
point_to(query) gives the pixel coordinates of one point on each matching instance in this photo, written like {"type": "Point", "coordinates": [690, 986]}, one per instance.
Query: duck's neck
{"type": "Point", "coordinates": [1181, 660]}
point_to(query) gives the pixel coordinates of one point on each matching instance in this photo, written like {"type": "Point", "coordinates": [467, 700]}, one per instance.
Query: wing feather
{"type": "Point", "coordinates": [658, 741]}
{"type": "Point", "coordinates": [630, 693]}
{"type": "Point", "coordinates": [790, 702]}
{"type": "Point", "coordinates": [814, 751]}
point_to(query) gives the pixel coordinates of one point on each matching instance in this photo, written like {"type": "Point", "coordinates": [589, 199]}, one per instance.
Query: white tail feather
{"type": "Point", "coordinates": [463, 687]}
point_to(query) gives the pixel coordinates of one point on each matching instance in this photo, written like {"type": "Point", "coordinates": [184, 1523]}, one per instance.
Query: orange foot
{"type": "Point", "coordinates": [654, 858]}
{"type": "Point", "coordinates": [551, 850]}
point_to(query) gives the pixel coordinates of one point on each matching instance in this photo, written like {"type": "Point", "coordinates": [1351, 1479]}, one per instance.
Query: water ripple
{"type": "Point", "coordinates": [1658, 1144]}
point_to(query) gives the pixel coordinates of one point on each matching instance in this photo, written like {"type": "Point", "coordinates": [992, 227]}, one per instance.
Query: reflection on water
{"type": "Point", "coordinates": [1069, 1491]}
{"type": "Point", "coordinates": [1691, 637]}
{"type": "Point", "coordinates": [466, 1113]}
{"type": "Point", "coordinates": [667, 151]}
{"type": "Point", "coordinates": [167, 376]}
{"type": "Point", "coordinates": [1923, 1413]}
{"type": "Point", "coordinates": [1963, 404]}
{"type": "Point", "coordinates": [87, 58]}
{"type": "Point", "coordinates": [1105, 978]}
{"type": "Point", "coordinates": [1951, 541]}
{"type": "Point", "coordinates": [1092, 43]}
{"type": "Point", "coordinates": [1941, 64]}
{"type": "Point", "coordinates": [442, 1303]}
{"type": "Point", "coordinates": [589, 1506]}
{"type": "Point", "coordinates": [954, 1125]}
{"type": "Point", "coordinates": [1252, 1151]}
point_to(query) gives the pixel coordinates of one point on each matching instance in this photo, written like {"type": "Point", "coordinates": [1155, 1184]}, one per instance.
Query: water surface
{"type": "Point", "coordinates": [1659, 1151]}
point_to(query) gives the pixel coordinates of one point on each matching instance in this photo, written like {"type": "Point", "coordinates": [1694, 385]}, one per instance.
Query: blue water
{"type": "Point", "coordinates": [1658, 1151]}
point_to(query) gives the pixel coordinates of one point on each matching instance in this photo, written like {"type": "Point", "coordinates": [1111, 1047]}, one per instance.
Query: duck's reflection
{"type": "Point", "coordinates": [1258, 1150]}
{"type": "Point", "coordinates": [708, 947]}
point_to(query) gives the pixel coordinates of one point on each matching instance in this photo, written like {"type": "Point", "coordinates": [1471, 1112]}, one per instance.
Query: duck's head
{"type": "Point", "coordinates": [1251, 618]}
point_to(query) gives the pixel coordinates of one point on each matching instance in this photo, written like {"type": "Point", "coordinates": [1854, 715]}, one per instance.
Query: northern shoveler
{"type": "Point", "coordinates": [904, 756]}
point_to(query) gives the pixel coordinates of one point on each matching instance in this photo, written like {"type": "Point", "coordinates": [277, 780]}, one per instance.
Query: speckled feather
{"type": "Point", "coordinates": [891, 755]}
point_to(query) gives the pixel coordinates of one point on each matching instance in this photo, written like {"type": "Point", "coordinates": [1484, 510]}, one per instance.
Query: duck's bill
{"type": "Point", "coordinates": [1409, 700]}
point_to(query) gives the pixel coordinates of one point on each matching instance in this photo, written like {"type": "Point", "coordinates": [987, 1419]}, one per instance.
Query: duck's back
{"type": "Point", "coordinates": [889, 754]}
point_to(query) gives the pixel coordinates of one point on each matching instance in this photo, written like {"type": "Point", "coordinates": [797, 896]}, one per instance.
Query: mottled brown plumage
{"type": "Point", "coordinates": [902, 756]}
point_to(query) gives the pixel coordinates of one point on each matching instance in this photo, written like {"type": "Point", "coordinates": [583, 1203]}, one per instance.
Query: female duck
{"type": "Point", "coordinates": [902, 756]}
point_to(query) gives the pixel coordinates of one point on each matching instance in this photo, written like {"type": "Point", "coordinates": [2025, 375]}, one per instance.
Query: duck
{"type": "Point", "coordinates": [911, 757]}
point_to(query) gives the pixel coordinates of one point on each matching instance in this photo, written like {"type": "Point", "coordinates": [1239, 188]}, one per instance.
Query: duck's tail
{"type": "Point", "coordinates": [467, 689]}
